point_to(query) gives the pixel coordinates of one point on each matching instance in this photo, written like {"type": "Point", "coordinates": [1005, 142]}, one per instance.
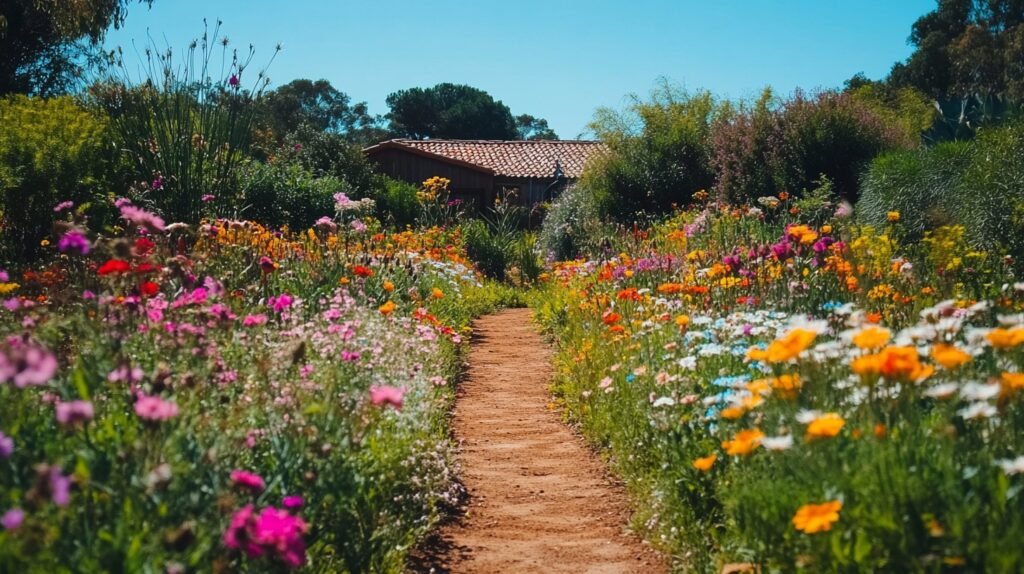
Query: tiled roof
{"type": "Point", "coordinates": [526, 159]}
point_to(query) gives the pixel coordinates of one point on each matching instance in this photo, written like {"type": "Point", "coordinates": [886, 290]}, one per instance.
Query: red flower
{"type": "Point", "coordinates": [114, 266]}
{"type": "Point", "coordinates": [143, 268]}
{"type": "Point", "coordinates": [362, 271]}
{"type": "Point", "coordinates": [144, 246]}
{"type": "Point", "coordinates": [149, 289]}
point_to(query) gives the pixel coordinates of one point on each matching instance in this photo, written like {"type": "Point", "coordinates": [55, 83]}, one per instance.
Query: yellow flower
{"type": "Point", "coordinates": [949, 356]}
{"type": "Point", "coordinates": [388, 286]}
{"type": "Point", "coordinates": [682, 321]}
{"type": "Point", "coordinates": [826, 229]}
{"type": "Point", "coordinates": [387, 308]}
{"type": "Point", "coordinates": [788, 347]}
{"type": "Point", "coordinates": [705, 463]}
{"type": "Point", "coordinates": [1012, 381]}
{"type": "Point", "coordinates": [744, 442]}
{"type": "Point", "coordinates": [787, 385]}
{"type": "Point", "coordinates": [872, 338]}
{"type": "Point", "coordinates": [8, 288]}
{"type": "Point", "coordinates": [893, 216]}
{"type": "Point", "coordinates": [437, 293]}
{"type": "Point", "coordinates": [812, 518]}
{"type": "Point", "coordinates": [827, 425]}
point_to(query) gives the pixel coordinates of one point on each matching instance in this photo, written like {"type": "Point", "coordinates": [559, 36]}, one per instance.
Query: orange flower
{"type": "Point", "coordinates": [744, 442]}
{"type": "Point", "coordinates": [671, 288]}
{"type": "Point", "coordinates": [949, 356]}
{"type": "Point", "coordinates": [895, 363]}
{"type": "Point", "coordinates": [388, 286]}
{"type": "Point", "coordinates": [705, 463]}
{"type": "Point", "coordinates": [827, 425]}
{"type": "Point", "coordinates": [1006, 338]}
{"type": "Point", "coordinates": [682, 321]}
{"type": "Point", "coordinates": [788, 347]}
{"type": "Point", "coordinates": [1012, 381]}
{"type": "Point", "coordinates": [787, 385]}
{"type": "Point", "coordinates": [732, 413]}
{"type": "Point", "coordinates": [872, 338]}
{"type": "Point", "coordinates": [812, 518]}
{"type": "Point", "coordinates": [387, 308]}
{"type": "Point", "coordinates": [437, 293]}
{"type": "Point", "coordinates": [610, 317]}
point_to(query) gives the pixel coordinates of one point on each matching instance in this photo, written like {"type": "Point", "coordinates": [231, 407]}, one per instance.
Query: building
{"type": "Point", "coordinates": [483, 170]}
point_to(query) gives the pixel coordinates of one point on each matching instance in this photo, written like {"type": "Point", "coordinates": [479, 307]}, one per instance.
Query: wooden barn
{"type": "Point", "coordinates": [482, 170]}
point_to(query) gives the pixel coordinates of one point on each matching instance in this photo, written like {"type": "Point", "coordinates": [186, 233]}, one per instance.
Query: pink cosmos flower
{"type": "Point", "coordinates": [155, 409]}
{"type": "Point", "coordinates": [249, 480]}
{"type": "Point", "coordinates": [126, 374]}
{"type": "Point", "coordinates": [26, 363]}
{"type": "Point", "coordinates": [326, 225]}
{"type": "Point", "coordinates": [358, 226]}
{"type": "Point", "coordinates": [4, 276]}
{"type": "Point", "coordinates": [142, 218]}
{"type": "Point", "coordinates": [60, 487]}
{"type": "Point", "coordinates": [293, 502]}
{"type": "Point", "coordinates": [74, 412]}
{"type": "Point", "coordinates": [208, 198]}
{"type": "Point", "coordinates": [62, 206]}
{"type": "Point", "coordinates": [254, 320]}
{"type": "Point", "coordinates": [6, 446]}
{"type": "Point", "coordinates": [387, 395]}
{"type": "Point", "coordinates": [12, 519]}
{"type": "Point", "coordinates": [281, 302]}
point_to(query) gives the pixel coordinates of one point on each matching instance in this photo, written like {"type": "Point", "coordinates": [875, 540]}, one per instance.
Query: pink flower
{"type": "Point", "coordinates": [64, 205]}
{"type": "Point", "coordinates": [237, 536]}
{"type": "Point", "coordinates": [358, 226]}
{"type": "Point", "coordinates": [208, 198]}
{"type": "Point", "coordinates": [4, 276]}
{"type": "Point", "coordinates": [249, 480]}
{"type": "Point", "coordinates": [234, 81]}
{"type": "Point", "coordinates": [12, 519]}
{"type": "Point", "coordinates": [387, 395]}
{"type": "Point", "coordinates": [74, 412]}
{"type": "Point", "coordinates": [126, 374]}
{"type": "Point", "coordinates": [26, 363]}
{"type": "Point", "coordinates": [142, 218]}
{"type": "Point", "coordinates": [254, 320]}
{"type": "Point", "coordinates": [274, 532]}
{"type": "Point", "coordinates": [326, 225]}
{"type": "Point", "coordinates": [292, 502]}
{"type": "Point", "coordinates": [6, 446]}
{"type": "Point", "coordinates": [155, 409]}
{"type": "Point", "coordinates": [281, 302]}
{"type": "Point", "coordinates": [60, 487]}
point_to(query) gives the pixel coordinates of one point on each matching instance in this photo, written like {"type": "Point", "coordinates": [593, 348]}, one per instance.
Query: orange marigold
{"type": "Point", "coordinates": [812, 518]}
{"type": "Point", "coordinates": [949, 356]}
{"type": "Point", "coordinates": [788, 347]}
{"type": "Point", "coordinates": [705, 463]}
{"type": "Point", "coordinates": [827, 425]}
{"type": "Point", "coordinates": [744, 442]}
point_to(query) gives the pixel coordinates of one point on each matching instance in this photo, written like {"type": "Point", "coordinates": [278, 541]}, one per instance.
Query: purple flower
{"type": "Point", "coordinates": [63, 206]}
{"type": "Point", "coordinates": [74, 412]}
{"type": "Point", "coordinates": [783, 250]}
{"type": "Point", "coordinates": [155, 409]}
{"type": "Point", "coordinates": [12, 304]}
{"type": "Point", "coordinates": [158, 183]}
{"type": "Point", "coordinates": [234, 81]}
{"type": "Point", "coordinates": [6, 446]}
{"type": "Point", "coordinates": [4, 277]}
{"type": "Point", "coordinates": [60, 487]}
{"type": "Point", "coordinates": [12, 519]}
{"type": "Point", "coordinates": [74, 242]}
{"type": "Point", "coordinates": [26, 363]}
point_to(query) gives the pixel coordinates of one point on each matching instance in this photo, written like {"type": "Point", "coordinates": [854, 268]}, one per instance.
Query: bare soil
{"type": "Point", "coordinates": [539, 500]}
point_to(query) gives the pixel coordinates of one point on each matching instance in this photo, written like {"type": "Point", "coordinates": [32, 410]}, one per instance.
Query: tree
{"type": "Point", "coordinates": [450, 111]}
{"type": "Point", "coordinates": [320, 106]}
{"type": "Point", "coordinates": [531, 128]}
{"type": "Point", "coordinates": [45, 42]}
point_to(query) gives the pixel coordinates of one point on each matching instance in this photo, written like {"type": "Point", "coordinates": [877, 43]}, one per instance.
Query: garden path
{"type": "Point", "coordinates": [539, 500]}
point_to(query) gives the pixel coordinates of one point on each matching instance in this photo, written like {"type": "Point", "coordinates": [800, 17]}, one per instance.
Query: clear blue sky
{"type": "Point", "coordinates": [556, 59]}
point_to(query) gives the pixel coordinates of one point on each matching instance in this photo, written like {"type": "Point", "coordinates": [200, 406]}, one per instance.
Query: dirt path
{"type": "Point", "coordinates": [539, 500]}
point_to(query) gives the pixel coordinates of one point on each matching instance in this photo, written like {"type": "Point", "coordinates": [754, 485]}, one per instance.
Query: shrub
{"type": "Point", "coordinates": [659, 152]}
{"type": "Point", "coordinates": [775, 147]}
{"type": "Point", "coordinates": [572, 226]}
{"type": "Point", "coordinates": [398, 203]}
{"type": "Point", "coordinates": [50, 151]}
{"type": "Point", "coordinates": [284, 193]}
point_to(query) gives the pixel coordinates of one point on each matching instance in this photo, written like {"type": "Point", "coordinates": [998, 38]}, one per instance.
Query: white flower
{"type": "Point", "coordinates": [805, 416]}
{"type": "Point", "coordinates": [688, 363]}
{"type": "Point", "coordinates": [943, 391]}
{"type": "Point", "coordinates": [777, 442]}
{"type": "Point", "coordinates": [1011, 466]}
{"type": "Point", "coordinates": [664, 402]}
{"type": "Point", "coordinates": [819, 326]}
{"type": "Point", "coordinates": [1011, 320]}
{"type": "Point", "coordinates": [605, 383]}
{"type": "Point", "coordinates": [977, 411]}
{"type": "Point", "coordinates": [973, 391]}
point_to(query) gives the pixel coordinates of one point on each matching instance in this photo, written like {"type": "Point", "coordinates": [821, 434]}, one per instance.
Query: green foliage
{"type": "Point", "coordinates": [499, 247]}
{"type": "Point", "coordinates": [977, 184]}
{"type": "Point", "coordinates": [44, 42]}
{"type": "Point", "coordinates": [319, 106]}
{"type": "Point", "coordinates": [285, 193]}
{"type": "Point", "coordinates": [398, 204]}
{"type": "Point", "coordinates": [184, 130]}
{"type": "Point", "coordinates": [531, 128]}
{"type": "Point", "coordinates": [456, 111]}
{"type": "Point", "coordinates": [50, 151]}
{"type": "Point", "coordinates": [659, 152]}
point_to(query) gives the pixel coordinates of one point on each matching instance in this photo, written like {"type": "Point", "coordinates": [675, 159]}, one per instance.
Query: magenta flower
{"type": "Point", "coordinates": [62, 206]}
{"type": "Point", "coordinates": [293, 502]}
{"type": "Point", "coordinates": [237, 537]}
{"type": "Point", "coordinates": [6, 446]}
{"type": "Point", "coordinates": [274, 532]}
{"type": "Point", "coordinates": [155, 409]}
{"type": "Point", "coordinates": [4, 276]}
{"type": "Point", "coordinates": [254, 320]}
{"type": "Point", "coordinates": [142, 218]}
{"type": "Point", "coordinates": [281, 302]}
{"type": "Point", "coordinates": [60, 487]}
{"type": "Point", "coordinates": [234, 81]}
{"type": "Point", "coordinates": [386, 395]}
{"type": "Point", "coordinates": [126, 374]}
{"type": "Point", "coordinates": [207, 198]}
{"type": "Point", "coordinates": [74, 412]}
{"type": "Point", "coordinates": [74, 242]}
{"type": "Point", "coordinates": [26, 363]}
{"type": "Point", "coordinates": [326, 225]}
{"type": "Point", "coordinates": [158, 183]}
{"type": "Point", "coordinates": [249, 480]}
{"type": "Point", "coordinates": [12, 519]}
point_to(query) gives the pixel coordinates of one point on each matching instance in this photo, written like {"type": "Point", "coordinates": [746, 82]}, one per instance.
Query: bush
{"type": "Point", "coordinates": [50, 151]}
{"type": "Point", "coordinates": [660, 152]}
{"type": "Point", "coordinates": [775, 147]}
{"type": "Point", "coordinates": [398, 204]}
{"type": "Point", "coordinates": [572, 226]}
{"type": "Point", "coordinates": [282, 193]}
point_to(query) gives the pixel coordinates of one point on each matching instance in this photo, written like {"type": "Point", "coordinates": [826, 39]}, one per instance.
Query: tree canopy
{"type": "Point", "coordinates": [320, 106]}
{"type": "Point", "coordinates": [44, 42]}
{"type": "Point", "coordinates": [455, 111]}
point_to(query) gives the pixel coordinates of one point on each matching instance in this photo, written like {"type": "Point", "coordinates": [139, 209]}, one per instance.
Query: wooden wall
{"type": "Point", "coordinates": [466, 184]}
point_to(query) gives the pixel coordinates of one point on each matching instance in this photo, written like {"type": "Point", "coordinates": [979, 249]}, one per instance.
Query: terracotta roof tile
{"type": "Point", "coordinates": [518, 159]}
